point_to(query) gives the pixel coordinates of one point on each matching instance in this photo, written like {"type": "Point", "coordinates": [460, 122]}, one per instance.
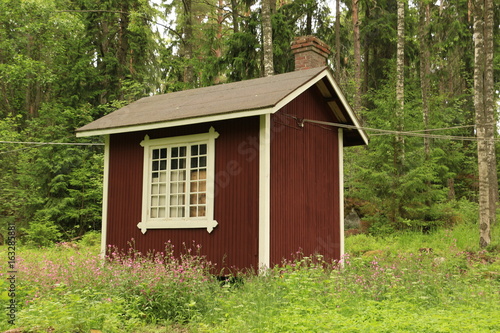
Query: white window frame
{"type": "Point", "coordinates": [186, 222]}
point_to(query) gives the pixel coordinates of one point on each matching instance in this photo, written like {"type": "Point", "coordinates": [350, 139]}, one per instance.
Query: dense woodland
{"type": "Point", "coordinates": [407, 67]}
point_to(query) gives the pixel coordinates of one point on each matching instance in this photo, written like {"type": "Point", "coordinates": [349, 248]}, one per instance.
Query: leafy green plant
{"type": "Point", "coordinates": [404, 282]}
{"type": "Point", "coordinates": [41, 232]}
{"type": "Point", "coordinates": [91, 238]}
{"type": "Point", "coordinates": [79, 311]}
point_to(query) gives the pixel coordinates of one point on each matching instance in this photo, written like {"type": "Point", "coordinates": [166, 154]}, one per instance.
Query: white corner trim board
{"type": "Point", "coordinates": [105, 185]}
{"type": "Point", "coordinates": [341, 190]}
{"type": "Point", "coordinates": [265, 192]}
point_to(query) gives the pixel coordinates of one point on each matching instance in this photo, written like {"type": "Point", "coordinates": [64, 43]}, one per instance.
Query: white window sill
{"type": "Point", "coordinates": [178, 224]}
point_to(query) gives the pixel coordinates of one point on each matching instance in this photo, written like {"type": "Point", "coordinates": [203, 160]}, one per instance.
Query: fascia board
{"type": "Point", "coordinates": [350, 112]}
{"type": "Point", "coordinates": [174, 123]}
{"type": "Point", "coordinates": [297, 92]}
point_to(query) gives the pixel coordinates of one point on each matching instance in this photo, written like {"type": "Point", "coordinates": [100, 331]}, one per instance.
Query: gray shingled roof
{"type": "Point", "coordinates": [225, 98]}
{"type": "Point", "coordinates": [238, 99]}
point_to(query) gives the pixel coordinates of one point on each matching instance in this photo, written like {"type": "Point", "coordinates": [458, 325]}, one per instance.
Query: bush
{"type": "Point", "coordinates": [40, 233]}
{"type": "Point", "coordinates": [91, 238]}
{"type": "Point", "coordinates": [79, 311]}
{"type": "Point", "coordinates": [164, 287]}
{"type": "Point", "coordinates": [359, 244]}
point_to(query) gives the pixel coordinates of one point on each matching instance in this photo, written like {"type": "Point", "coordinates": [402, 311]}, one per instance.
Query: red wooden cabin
{"type": "Point", "coordinates": [252, 171]}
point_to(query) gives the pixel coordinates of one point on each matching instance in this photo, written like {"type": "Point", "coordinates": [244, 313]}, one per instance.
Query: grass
{"type": "Point", "coordinates": [409, 282]}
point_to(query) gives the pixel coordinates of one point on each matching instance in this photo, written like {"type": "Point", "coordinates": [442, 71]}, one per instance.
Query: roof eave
{"type": "Point", "coordinates": [175, 122]}
{"type": "Point", "coordinates": [350, 116]}
{"type": "Point", "coordinates": [350, 113]}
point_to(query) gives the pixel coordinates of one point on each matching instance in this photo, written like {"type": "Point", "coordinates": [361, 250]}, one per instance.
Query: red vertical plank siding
{"type": "Point", "coordinates": [304, 181]}
{"type": "Point", "coordinates": [233, 243]}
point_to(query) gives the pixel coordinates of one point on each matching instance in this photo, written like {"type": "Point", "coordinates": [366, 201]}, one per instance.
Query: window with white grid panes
{"type": "Point", "coordinates": [179, 182]}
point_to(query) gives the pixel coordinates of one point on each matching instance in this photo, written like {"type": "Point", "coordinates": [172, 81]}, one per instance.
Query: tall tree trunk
{"type": "Point", "coordinates": [400, 77]}
{"type": "Point", "coordinates": [485, 117]}
{"type": "Point", "coordinates": [357, 54]}
{"type": "Point", "coordinates": [235, 16]}
{"type": "Point", "coordinates": [425, 70]}
{"type": "Point", "coordinates": [337, 39]}
{"type": "Point", "coordinates": [123, 45]}
{"type": "Point", "coordinates": [217, 50]}
{"type": "Point", "coordinates": [309, 15]}
{"type": "Point", "coordinates": [188, 41]}
{"type": "Point", "coordinates": [399, 150]}
{"type": "Point", "coordinates": [267, 38]}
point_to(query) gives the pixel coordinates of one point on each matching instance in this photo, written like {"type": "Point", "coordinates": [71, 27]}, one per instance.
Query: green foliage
{"type": "Point", "coordinates": [91, 238]}
{"type": "Point", "coordinates": [406, 293]}
{"type": "Point", "coordinates": [243, 60]}
{"type": "Point", "coordinates": [64, 64]}
{"type": "Point", "coordinates": [79, 311]}
{"type": "Point", "coordinates": [383, 284]}
{"type": "Point", "coordinates": [41, 233]}
{"type": "Point", "coordinates": [163, 287]}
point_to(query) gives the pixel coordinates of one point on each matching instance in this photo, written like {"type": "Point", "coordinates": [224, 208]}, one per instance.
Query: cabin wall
{"type": "Point", "coordinates": [304, 181]}
{"type": "Point", "coordinates": [233, 243]}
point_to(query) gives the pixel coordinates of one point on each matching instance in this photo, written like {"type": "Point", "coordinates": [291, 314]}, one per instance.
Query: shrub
{"type": "Point", "coordinates": [359, 244]}
{"type": "Point", "coordinates": [162, 286]}
{"type": "Point", "coordinates": [91, 238]}
{"type": "Point", "coordinates": [41, 232]}
{"type": "Point", "coordinates": [79, 311]}
{"type": "Point", "coordinates": [158, 288]}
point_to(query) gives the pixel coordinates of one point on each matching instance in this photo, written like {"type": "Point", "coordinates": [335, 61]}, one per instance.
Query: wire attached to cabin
{"type": "Point", "coordinates": [301, 122]}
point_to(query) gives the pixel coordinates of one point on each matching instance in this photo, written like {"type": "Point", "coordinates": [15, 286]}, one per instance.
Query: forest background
{"type": "Point", "coordinates": [64, 63]}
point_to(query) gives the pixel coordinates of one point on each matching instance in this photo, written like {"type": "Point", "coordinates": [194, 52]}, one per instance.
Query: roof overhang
{"type": "Point", "coordinates": [174, 123]}
{"type": "Point", "coordinates": [324, 80]}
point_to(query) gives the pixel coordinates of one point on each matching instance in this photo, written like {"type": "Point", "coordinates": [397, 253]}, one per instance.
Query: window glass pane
{"type": "Point", "coordinates": [194, 162]}
{"type": "Point", "coordinates": [195, 175]}
{"type": "Point", "coordinates": [201, 211]}
{"type": "Point", "coordinates": [174, 164]}
{"type": "Point", "coordinates": [163, 153]}
{"type": "Point", "coordinates": [203, 149]}
{"type": "Point", "coordinates": [182, 151]}
{"type": "Point", "coordinates": [182, 163]}
{"type": "Point", "coordinates": [202, 174]}
{"type": "Point", "coordinates": [203, 161]}
{"type": "Point", "coordinates": [194, 150]}
{"type": "Point", "coordinates": [163, 177]}
{"type": "Point", "coordinates": [156, 154]}
{"type": "Point", "coordinates": [193, 212]}
{"type": "Point", "coordinates": [155, 165]}
{"type": "Point", "coordinates": [175, 152]}
{"type": "Point", "coordinates": [203, 186]}
{"type": "Point", "coordinates": [161, 212]}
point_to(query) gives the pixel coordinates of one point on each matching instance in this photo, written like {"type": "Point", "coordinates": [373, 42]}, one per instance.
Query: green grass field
{"type": "Point", "coordinates": [407, 282]}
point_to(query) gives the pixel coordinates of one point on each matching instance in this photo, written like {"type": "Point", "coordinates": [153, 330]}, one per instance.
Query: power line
{"type": "Point", "coordinates": [45, 144]}
{"type": "Point", "coordinates": [55, 143]}
{"type": "Point", "coordinates": [418, 133]}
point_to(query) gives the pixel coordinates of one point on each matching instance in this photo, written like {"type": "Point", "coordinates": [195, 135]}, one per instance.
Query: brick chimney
{"type": "Point", "coordinates": [310, 52]}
